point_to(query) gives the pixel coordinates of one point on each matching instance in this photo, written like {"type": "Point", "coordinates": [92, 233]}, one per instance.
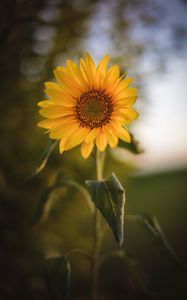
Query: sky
{"type": "Point", "coordinates": [163, 128]}
{"type": "Point", "coordinates": [162, 125]}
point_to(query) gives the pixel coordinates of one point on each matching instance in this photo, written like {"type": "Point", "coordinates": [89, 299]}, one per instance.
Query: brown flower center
{"type": "Point", "coordinates": [94, 108]}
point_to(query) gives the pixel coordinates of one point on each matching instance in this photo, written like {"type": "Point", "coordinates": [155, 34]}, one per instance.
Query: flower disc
{"type": "Point", "coordinates": [94, 109]}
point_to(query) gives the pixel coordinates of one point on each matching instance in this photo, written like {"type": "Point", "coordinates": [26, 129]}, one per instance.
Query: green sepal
{"type": "Point", "coordinates": [109, 197]}
{"type": "Point", "coordinates": [134, 146]}
{"type": "Point", "coordinates": [57, 273]}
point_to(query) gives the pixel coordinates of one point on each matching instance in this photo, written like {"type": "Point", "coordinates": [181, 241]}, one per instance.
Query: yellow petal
{"type": "Point", "coordinates": [120, 132]}
{"type": "Point", "coordinates": [101, 70]}
{"type": "Point", "coordinates": [119, 118]}
{"type": "Point", "coordinates": [62, 145]}
{"type": "Point", "coordinates": [60, 97]}
{"type": "Point", "coordinates": [66, 128]}
{"type": "Point", "coordinates": [68, 83]}
{"type": "Point", "coordinates": [111, 138]}
{"type": "Point", "coordinates": [113, 73]}
{"type": "Point", "coordinates": [124, 102]}
{"type": "Point", "coordinates": [54, 93]}
{"type": "Point", "coordinates": [86, 149]}
{"type": "Point", "coordinates": [74, 70]}
{"type": "Point", "coordinates": [130, 92]}
{"type": "Point", "coordinates": [45, 103]}
{"type": "Point", "coordinates": [53, 86]}
{"type": "Point", "coordinates": [101, 141]}
{"type": "Point", "coordinates": [55, 111]}
{"type": "Point", "coordinates": [85, 72]}
{"type": "Point", "coordinates": [92, 135]}
{"type": "Point", "coordinates": [129, 114]}
{"type": "Point", "coordinates": [90, 63]}
{"type": "Point", "coordinates": [49, 123]}
{"type": "Point", "coordinates": [111, 76]}
{"type": "Point", "coordinates": [77, 137]}
{"type": "Point", "coordinates": [69, 79]}
{"type": "Point", "coordinates": [123, 85]}
{"type": "Point", "coordinates": [88, 69]}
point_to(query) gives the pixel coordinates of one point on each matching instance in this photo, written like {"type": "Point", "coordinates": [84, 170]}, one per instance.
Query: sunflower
{"type": "Point", "coordinates": [88, 105]}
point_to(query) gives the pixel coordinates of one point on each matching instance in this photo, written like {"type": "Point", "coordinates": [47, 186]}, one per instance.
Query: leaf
{"type": "Point", "coordinates": [57, 273]}
{"type": "Point", "coordinates": [152, 224]}
{"type": "Point", "coordinates": [134, 146]}
{"type": "Point", "coordinates": [44, 158]}
{"type": "Point", "coordinates": [51, 194]}
{"type": "Point", "coordinates": [45, 203]}
{"type": "Point", "coordinates": [148, 222]}
{"type": "Point", "coordinates": [109, 197]}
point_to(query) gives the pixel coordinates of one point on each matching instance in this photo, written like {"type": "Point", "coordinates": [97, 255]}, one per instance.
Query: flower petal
{"type": "Point", "coordinates": [129, 114]}
{"type": "Point", "coordinates": [86, 149]}
{"type": "Point", "coordinates": [119, 118]}
{"type": "Point", "coordinates": [92, 135]}
{"type": "Point", "coordinates": [101, 70]}
{"type": "Point", "coordinates": [111, 138]}
{"type": "Point", "coordinates": [101, 140]}
{"type": "Point", "coordinates": [74, 70]}
{"type": "Point", "coordinates": [62, 145]}
{"type": "Point", "coordinates": [125, 102]}
{"type": "Point", "coordinates": [123, 85]}
{"type": "Point", "coordinates": [127, 93]}
{"type": "Point", "coordinates": [86, 73]}
{"type": "Point", "coordinates": [77, 137]}
{"type": "Point", "coordinates": [49, 123]}
{"type": "Point", "coordinates": [60, 97]}
{"type": "Point", "coordinates": [65, 129]}
{"type": "Point", "coordinates": [120, 132]}
{"type": "Point", "coordinates": [45, 103]}
{"type": "Point", "coordinates": [111, 76]}
{"type": "Point", "coordinates": [55, 111]}
{"type": "Point", "coordinates": [68, 83]}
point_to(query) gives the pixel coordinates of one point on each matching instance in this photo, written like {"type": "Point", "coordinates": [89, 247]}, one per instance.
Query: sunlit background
{"type": "Point", "coordinates": [148, 39]}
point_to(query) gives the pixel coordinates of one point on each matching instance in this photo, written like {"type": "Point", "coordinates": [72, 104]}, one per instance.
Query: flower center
{"type": "Point", "coordinates": [94, 108]}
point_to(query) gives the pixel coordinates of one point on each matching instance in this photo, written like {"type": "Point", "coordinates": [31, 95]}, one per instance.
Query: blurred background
{"type": "Point", "coordinates": [148, 39]}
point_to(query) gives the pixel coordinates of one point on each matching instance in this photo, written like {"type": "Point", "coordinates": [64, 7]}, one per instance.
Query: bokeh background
{"type": "Point", "coordinates": [148, 39]}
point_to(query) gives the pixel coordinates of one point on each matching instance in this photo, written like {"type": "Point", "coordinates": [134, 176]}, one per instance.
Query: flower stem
{"type": "Point", "coordinates": [97, 227]}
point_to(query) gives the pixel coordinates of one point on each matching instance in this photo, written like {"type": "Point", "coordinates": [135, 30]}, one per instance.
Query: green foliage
{"type": "Point", "coordinates": [109, 197]}
{"type": "Point", "coordinates": [57, 272]}
{"type": "Point", "coordinates": [46, 201]}
{"type": "Point", "coordinates": [44, 158]}
{"type": "Point", "coordinates": [134, 146]}
{"type": "Point", "coordinates": [52, 194]}
{"type": "Point", "coordinates": [153, 226]}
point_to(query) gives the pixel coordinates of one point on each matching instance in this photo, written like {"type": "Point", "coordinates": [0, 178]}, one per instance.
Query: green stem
{"type": "Point", "coordinates": [97, 227]}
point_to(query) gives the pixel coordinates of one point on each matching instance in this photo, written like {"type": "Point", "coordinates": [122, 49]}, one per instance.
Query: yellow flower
{"type": "Point", "coordinates": [89, 104]}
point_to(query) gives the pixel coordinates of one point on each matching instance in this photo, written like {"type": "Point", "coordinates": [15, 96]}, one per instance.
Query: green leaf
{"type": "Point", "coordinates": [51, 194]}
{"type": "Point", "coordinates": [152, 224]}
{"type": "Point", "coordinates": [57, 272]}
{"type": "Point", "coordinates": [46, 201]}
{"type": "Point", "coordinates": [44, 158]}
{"type": "Point", "coordinates": [109, 197]}
{"type": "Point", "coordinates": [134, 146]}
{"type": "Point", "coordinates": [148, 222]}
